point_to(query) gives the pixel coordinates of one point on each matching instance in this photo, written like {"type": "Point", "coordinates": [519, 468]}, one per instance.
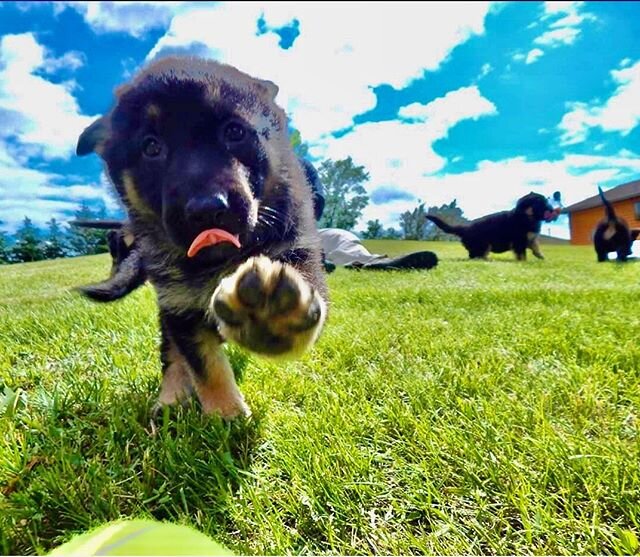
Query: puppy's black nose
{"type": "Point", "coordinates": [206, 212]}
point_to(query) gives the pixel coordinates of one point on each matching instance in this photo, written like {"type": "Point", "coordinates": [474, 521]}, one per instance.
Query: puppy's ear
{"type": "Point", "coordinates": [269, 88]}
{"type": "Point", "coordinates": [92, 137]}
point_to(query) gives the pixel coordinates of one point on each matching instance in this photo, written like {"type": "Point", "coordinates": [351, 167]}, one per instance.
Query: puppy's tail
{"type": "Point", "coordinates": [458, 230]}
{"type": "Point", "coordinates": [611, 215]}
{"type": "Point", "coordinates": [127, 276]}
{"type": "Point", "coordinates": [127, 271]}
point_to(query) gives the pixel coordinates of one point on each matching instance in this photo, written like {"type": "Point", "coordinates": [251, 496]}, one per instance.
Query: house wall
{"type": "Point", "coordinates": [582, 223]}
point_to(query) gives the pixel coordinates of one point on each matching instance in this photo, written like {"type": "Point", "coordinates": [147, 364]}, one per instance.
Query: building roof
{"type": "Point", "coordinates": [619, 193]}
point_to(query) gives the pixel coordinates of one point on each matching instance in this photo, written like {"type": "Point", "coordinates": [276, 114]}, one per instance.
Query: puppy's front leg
{"type": "Point", "coordinates": [535, 246]}
{"type": "Point", "coordinates": [269, 307]}
{"type": "Point", "coordinates": [205, 361]}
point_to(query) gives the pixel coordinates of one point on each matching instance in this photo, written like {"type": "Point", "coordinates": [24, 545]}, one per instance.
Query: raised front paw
{"type": "Point", "coordinates": [269, 308]}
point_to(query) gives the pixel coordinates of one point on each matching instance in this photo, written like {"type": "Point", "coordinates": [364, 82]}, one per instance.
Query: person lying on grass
{"type": "Point", "coordinates": [342, 247]}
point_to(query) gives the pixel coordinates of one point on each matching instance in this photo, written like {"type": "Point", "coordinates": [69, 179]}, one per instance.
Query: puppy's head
{"type": "Point", "coordinates": [537, 208]}
{"type": "Point", "coordinates": [191, 145]}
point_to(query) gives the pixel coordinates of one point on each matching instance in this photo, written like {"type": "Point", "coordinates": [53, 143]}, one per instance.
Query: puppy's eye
{"type": "Point", "coordinates": [234, 132]}
{"type": "Point", "coordinates": [151, 147]}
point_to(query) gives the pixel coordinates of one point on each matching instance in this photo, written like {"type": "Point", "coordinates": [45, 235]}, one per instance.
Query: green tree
{"type": "Point", "coordinates": [300, 147]}
{"type": "Point", "coordinates": [392, 234]}
{"type": "Point", "coordinates": [5, 252]}
{"type": "Point", "coordinates": [27, 246]}
{"type": "Point", "coordinates": [55, 245]}
{"type": "Point", "coordinates": [345, 196]}
{"type": "Point", "coordinates": [88, 241]}
{"type": "Point", "coordinates": [374, 230]}
{"type": "Point", "coordinates": [413, 223]}
{"type": "Point", "coordinates": [451, 214]}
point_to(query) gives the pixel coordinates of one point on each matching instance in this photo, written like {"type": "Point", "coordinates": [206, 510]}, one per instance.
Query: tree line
{"type": "Point", "coordinates": [31, 243]}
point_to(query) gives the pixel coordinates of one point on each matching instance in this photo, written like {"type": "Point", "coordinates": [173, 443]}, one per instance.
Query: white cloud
{"type": "Point", "coordinates": [399, 152]}
{"type": "Point", "coordinates": [327, 75]}
{"type": "Point", "coordinates": [567, 17]}
{"type": "Point", "coordinates": [533, 55]}
{"type": "Point", "coordinates": [71, 60]}
{"type": "Point", "coordinates": [485, 70]}
{"type": "Point", "coordinates": [564, 27]}
{"type": "Point", "coordinates": [135, 18]}
{"type": "Point", "coordinates": [445, 112]}
{"type": "Point", "coordinates": [557, 37]}
{"type": "Point", "coordinates": [44, 117]}
{"type": "Point", "coordinates": [620, 113]}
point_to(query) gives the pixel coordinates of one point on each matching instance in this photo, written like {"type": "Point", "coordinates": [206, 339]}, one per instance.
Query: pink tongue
{"type": "Point", "coordinates": [210, 238]}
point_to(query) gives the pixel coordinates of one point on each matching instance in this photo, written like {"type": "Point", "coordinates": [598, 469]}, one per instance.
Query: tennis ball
{"type": "Point", "coordinates": [141, 537]}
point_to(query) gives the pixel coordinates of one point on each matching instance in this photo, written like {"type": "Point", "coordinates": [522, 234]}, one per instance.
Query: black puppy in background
{"type": "Point", "coordinates": [515, 230]}
{"type": "Point", "coordinates": [612, 234]}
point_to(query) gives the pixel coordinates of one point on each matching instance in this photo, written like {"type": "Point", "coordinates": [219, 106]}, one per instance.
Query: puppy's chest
{"type": "Point", "coordinates": [179, 296]}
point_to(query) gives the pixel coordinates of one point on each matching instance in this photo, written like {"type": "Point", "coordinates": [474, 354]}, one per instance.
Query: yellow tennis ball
{"type": "Point", "coordinates": [141, 537]}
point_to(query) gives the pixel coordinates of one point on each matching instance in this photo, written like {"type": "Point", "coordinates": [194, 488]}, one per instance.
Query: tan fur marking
{"type": "Point", "coordinates": [609, 232]}
{"type": "Point", "coordinates": [219, 393]}
{"type": "Point", "coordinates": [153, 111]}
{"type": "Point", "coordinates": [176, 383]}
{"type": "Point", "coordinates": [133, 197]}
{"type": "Point", "coordinates": [241, 179]}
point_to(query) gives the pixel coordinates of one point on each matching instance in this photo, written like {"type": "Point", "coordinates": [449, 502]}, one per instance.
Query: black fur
{"type": "Point", "coordinates": [126, 275]}
{"type": "Point", "coordinates": [192, 145]}
{"type": "Point", "coordinates": [514, 230]}
{"type": "Point", "coordinates": [612, 234]}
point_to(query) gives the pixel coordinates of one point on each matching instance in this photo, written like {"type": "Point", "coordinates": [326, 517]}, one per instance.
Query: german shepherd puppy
{"type": "Point", "coordinates": [515, 230]}
{"type": "Point", "coordinates": [612, 233]}
{"type": "Point", "coordinates": [194, 148]}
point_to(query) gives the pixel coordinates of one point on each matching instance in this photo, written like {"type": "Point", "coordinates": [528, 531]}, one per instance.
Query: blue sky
{"type": "Point", "coordinates": [479, 102]}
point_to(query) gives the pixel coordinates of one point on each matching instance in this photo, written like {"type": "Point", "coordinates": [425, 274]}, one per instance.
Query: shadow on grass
{"type": "Point", "coordinates": [85, 457]}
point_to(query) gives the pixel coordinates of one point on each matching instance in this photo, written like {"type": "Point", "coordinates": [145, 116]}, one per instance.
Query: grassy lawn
{"type": "Point", "coordinates": [481, 407]}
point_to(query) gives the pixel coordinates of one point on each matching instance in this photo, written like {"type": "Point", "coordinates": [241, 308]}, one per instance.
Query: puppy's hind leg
{"type": "Point", "coordinates": [478, 251]}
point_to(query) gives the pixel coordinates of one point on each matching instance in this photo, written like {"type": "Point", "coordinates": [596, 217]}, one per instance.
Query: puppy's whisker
{"type": "Point", "coordinates": [286, 221]}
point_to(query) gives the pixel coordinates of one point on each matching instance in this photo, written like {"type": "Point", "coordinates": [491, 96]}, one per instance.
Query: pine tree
{"type": "Point", "coordinates": [27, 247]}
{"type": "Point", "coordinates": [55, 245]}
{"type": "Point", "coordinates": [5, 252]}
{"type": "Point", "coordinates": [88, 241]}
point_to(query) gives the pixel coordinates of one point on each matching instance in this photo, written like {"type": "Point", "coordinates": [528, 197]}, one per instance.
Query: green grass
{"type": "Point", "coordinates": [481, 407]}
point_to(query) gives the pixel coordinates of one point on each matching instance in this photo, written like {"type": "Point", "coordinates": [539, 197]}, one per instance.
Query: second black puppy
{"type": "Point", "coordinates": [613, 234]}
{"type": "Point", "coordinates": [220, 221]}
{"type": "Point", "coordinates": [514, 230]}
